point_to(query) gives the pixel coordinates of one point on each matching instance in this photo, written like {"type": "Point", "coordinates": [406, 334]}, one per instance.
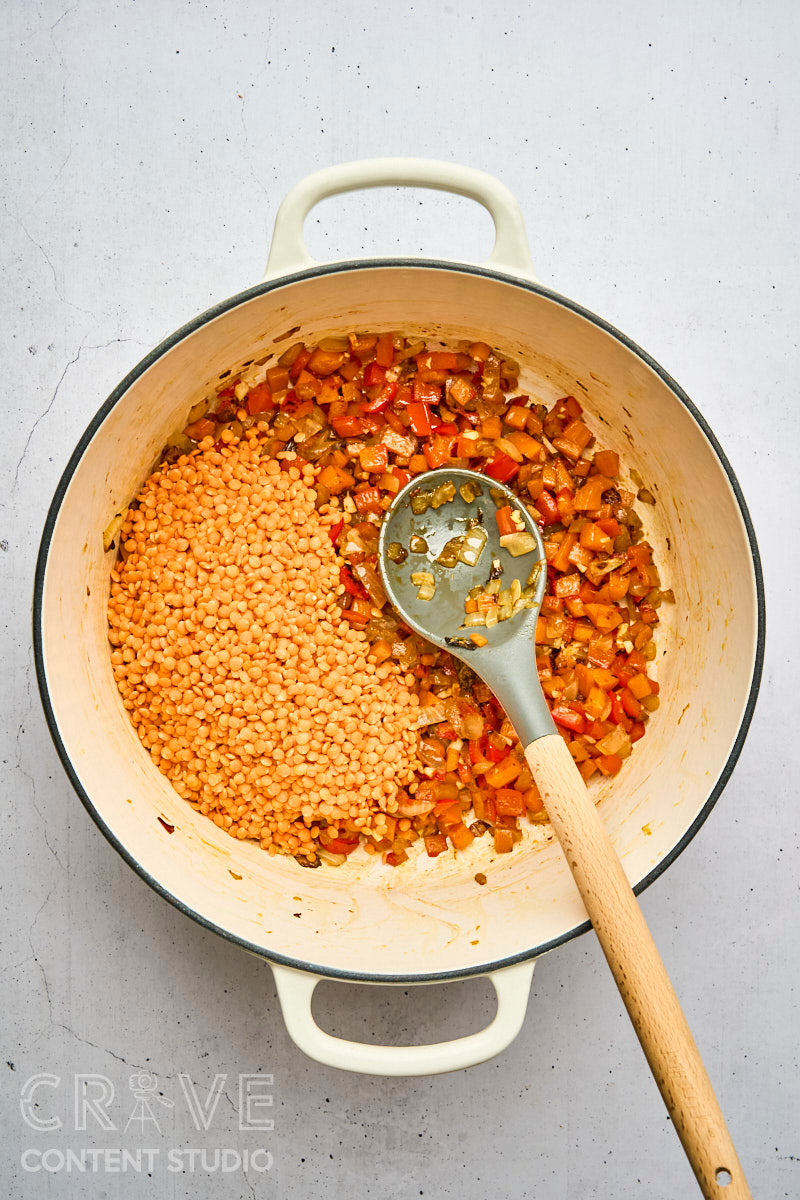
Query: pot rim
{"type": "Point", "coordinates": [228, 305]}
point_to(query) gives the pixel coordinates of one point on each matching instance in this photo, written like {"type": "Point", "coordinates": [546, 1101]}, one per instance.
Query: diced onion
{"type": "Point", "coordinates": [426, 584]}
{"type": "Point", "coordinates": [444, 493]}
{"type": "Point", "coordinates": [450, 553]}
{"type": "Point", "coordinates": [470, 491]}
{"type": "Point", "coordinates": [518, 543]}
{"type": "Point", "coordinates": [508, 448]}
{"type": "Point", "coordinates": [472, 547]}
{"type": "Point", "coordinates": [333, 860]}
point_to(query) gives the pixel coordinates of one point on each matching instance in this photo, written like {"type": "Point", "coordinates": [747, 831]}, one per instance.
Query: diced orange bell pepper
{"type": "Point", "coordinates": [607, 462]}
{"type": "Point", "coordinates": [526, 445]}
{"type": "Point", "coordinates": [590, 496]}
{"type": "Point", "coordinates": [324, 363]}
{"type": "Point", "coordinates": [503, 841]}
{"type": "Point", "coordinates": [604, 616]}
{"type": "Point", "coordinates": [533, 799]}
{"type": "Point", "coordinates": [569, 449]}
{"type": "Point", "coordinates": [510, 802]}
{"type": "Point", "coordinates": [593, 538]}
{"type": "Point", "coordinates": [461, 836]}
{"type": "Point", "coordinates": [597, 704]}
{"type": "Point", "coordinates": [374, 458]}
{"type": "Point", "coordinates": [503, 772]}
{"type": "Point", "coordinates": [517, 417]}
{"type": "Point", "coordinates": [336, 480]}
{"type": "Point", "coordinates": [200, 429]}
{"type": "Point", "coordinates": [277, 379]}
{"type": "Point", "coordinates": [491, 428]}
{"type": "Point", "coordinates": [561, 559]}
{"type": "Point", "coordinates": [384, 350]}
{"type": "Point", "coordinates": [579, 433]}
{"type": "Point", "coordinates": [609, 764]}
{"type": "Point", "coordinates": [640, 686]}
{"type": "Point", "coordinates": [435, 844]}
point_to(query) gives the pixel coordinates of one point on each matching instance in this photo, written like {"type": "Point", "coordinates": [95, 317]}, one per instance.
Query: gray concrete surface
{"type": "Point", "coordinates": [146, 147]}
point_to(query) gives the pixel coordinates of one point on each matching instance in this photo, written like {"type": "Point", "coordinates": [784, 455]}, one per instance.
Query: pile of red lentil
{"type": "Point", "coordinates": [252, 642]}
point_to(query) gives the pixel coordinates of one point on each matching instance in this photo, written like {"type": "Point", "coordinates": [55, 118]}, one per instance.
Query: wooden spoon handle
{"type": "Point", "coordinates": [641, 976]}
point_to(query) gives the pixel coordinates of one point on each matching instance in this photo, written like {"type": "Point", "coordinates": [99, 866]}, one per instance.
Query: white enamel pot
{"type": "Point", "coordinates": [429, 920]}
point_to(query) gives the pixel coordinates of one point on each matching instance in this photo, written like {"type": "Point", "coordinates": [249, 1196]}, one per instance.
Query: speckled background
{"type": "Point", "coordinates": [146, 147]}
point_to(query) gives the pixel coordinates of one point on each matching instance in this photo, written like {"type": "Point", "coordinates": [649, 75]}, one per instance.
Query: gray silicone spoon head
{"type": "Point", "coordinates": [507, 663]}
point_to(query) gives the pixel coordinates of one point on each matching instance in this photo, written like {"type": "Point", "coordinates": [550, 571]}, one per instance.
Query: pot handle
{"type": "Point", "coordinates": [296, 988]}
{"type": "Point", "coordinates": [288, 252]}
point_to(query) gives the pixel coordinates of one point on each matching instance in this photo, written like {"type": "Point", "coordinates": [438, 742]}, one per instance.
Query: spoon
{"type": "Point", "coordinates": [504, 656]}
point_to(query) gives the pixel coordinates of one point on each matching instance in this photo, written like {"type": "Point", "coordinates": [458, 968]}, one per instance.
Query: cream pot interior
{"type": "Point", "coordinates": [428, 919]}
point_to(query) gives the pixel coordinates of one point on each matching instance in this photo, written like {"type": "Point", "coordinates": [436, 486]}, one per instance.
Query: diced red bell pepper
{"type": "Point", "coordinates": [374, 375]}
{"type": "Point", "coordinates": [352, 585]}
{"type": "Point", "coordinates": [548, 507]}
{"type": "Point", "coordinates": [347, 426]}
{"type": "Point", "coordinates": [420, 417]}
{"type": "Point", "coordinates": [477, 752]}
{"type": "Point", "coordinates": [382, 401]}
{"type": "Point", "coordinates": [568, 718]}
{"type": "Point", "coordinates": [335, 531]}
{"type": "Point", "coordinates": [501, 467]}
{"type": "Point", "coordinates": [505, 520]}
{"type": "Point", "coordinates": [631, 705]}
{"type": "Point", "coordinates": [402, 476]}
{"type": "Point", "coordinates": [427, 393]}
{"type": "Point", "coordinates": [618, 714]}
{"type": "Point", "coordinates": [373, 422]}
{"type": "Point", "coordinates": [341, 846]}
{"type": "Point", "coordinates": [496, 748]}
{"type": "Point", "coordinates": [359, 612]}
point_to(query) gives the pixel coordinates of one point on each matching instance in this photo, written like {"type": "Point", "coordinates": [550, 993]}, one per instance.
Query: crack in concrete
{"type": "Point", "coordinates": [247, 147]}
{"type": "Point", "coordinates": [55, 1024]}
{"type": "Point", "coordinates": [71, 363]}
{"type": "Point", "coordinates": [42, 415]}
{"type": "Point", "coordinates": [64, 68]}
{"type": "Point", "coordinates": [25, 773]}
{"type": "Point", "coordinates": [47, 259]}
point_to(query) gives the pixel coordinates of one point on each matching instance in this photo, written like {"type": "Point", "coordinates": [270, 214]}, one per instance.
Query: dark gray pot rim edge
{"type": "Point", "coordinates": [191, 327]}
